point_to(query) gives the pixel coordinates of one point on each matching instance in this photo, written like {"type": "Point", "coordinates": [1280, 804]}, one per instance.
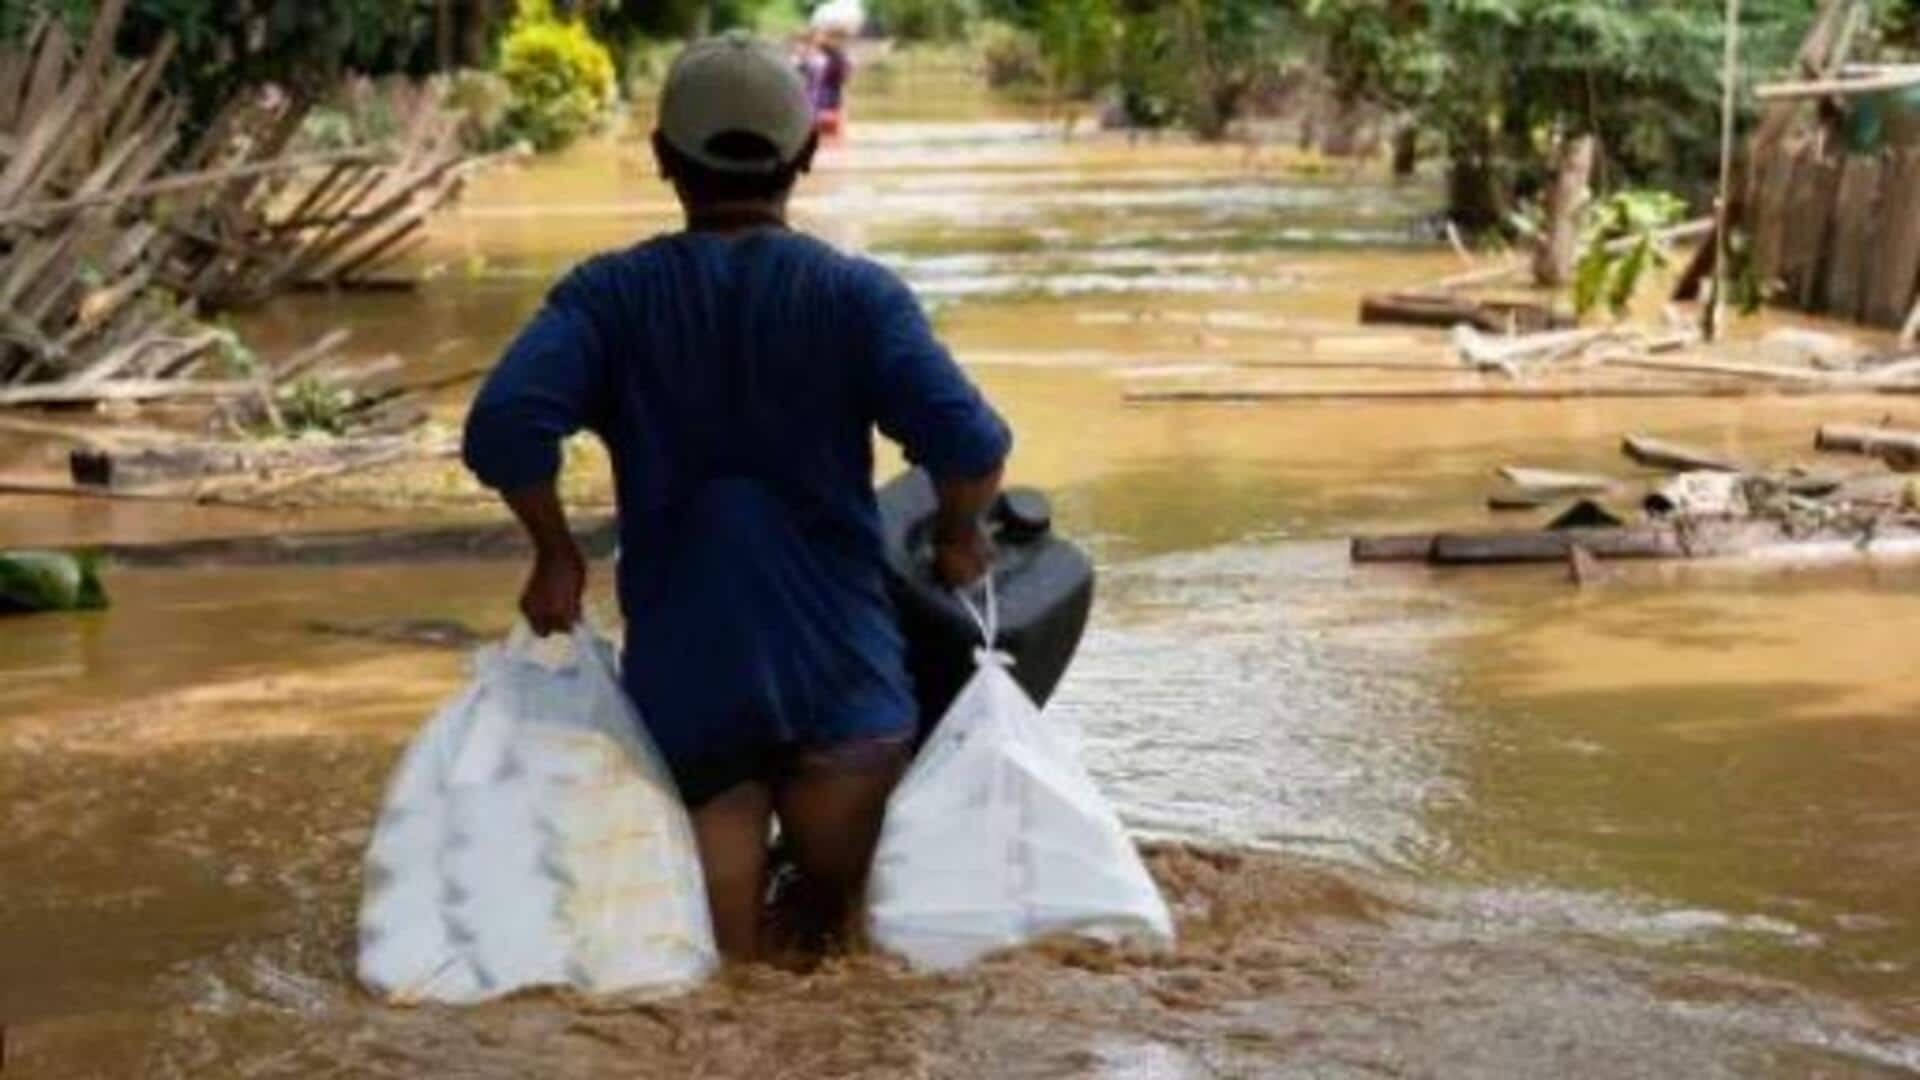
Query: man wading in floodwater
{"type": "Point", "coordinates": [735, 372]}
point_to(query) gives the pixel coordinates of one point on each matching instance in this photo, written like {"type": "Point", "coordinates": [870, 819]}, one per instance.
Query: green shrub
{"type": "Point", "coordinates": [562, 81]}
{"type": "Point", "coordinates": [1632, 219]}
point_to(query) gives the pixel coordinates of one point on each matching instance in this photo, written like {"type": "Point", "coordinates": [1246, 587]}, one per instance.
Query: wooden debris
{"type": "Point", "coordinates": [1713, 512]}
{"type": "Point", "coordinates": [153, 466]}
{"type": "Point", "coordinates": [1446, 311]}
{"type": "Point", "coordinates": [1656, 541]}
{"type": "Point", "coordinates": [1661, 454]}
{"type": "Point", "coordinates": [1892, 445]}
{"type": "Point", "coordinates": [1555, 482]}
{"type": "Point", "coordinates": [446, 543]}
{"type": "Point", "coordinates": [1509, 354]}
{"type": "Point", "coordinates": [1582, 568]}
{"type": "Point", "coordinates": [116, 237]}
{"type": "Point", "coordinates": [1409, 547]}
{"type": "Point", "coordinates": [1774, 373]}
{"type": "Point", "coordinates": [1506, 502]}
{"type": "Point", "coordinates": [1504, 392]}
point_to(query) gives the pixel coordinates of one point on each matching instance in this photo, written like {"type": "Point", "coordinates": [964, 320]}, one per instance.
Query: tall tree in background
{"type": "Point", "coordinates": [1502, 83]}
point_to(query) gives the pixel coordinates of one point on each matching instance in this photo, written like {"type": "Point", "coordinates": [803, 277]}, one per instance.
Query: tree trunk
{"type": "Point", "coordinates": [1559, 241]}
{"type": "Point", "coordinates": [1406, 151]}
{"type": "Point", "coordinates": [1475, 199]}
{"type": "Point", "coordinates": [444, 55]}
{"type": "Point", "coordinates": [476, 31]}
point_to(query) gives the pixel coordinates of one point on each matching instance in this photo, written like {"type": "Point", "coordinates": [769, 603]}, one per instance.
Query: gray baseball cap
{"type": "Point", "coordinates": [730, 85]}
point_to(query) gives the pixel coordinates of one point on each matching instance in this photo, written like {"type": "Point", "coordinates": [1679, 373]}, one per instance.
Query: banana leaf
{"type": "Point", "coordinates": [35, 581]}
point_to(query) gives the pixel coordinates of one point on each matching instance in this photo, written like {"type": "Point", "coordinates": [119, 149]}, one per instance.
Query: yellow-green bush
{"type": "Point", "coordinates": [562, 79]}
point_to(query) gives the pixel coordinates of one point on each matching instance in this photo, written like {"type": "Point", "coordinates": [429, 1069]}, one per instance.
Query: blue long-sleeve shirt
{"type": "Point", "coordinates": [736, 384]}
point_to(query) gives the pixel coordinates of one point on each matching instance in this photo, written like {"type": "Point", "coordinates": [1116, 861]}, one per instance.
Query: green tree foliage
{"type": "Point", "coordinates": [923, 20]}
{"type": "Point", "coordinates": [1500, 80]}
{"type": "Point", "coordinates": [1187, 61]}
{"type": "Point", "coordinates": [225, 45]}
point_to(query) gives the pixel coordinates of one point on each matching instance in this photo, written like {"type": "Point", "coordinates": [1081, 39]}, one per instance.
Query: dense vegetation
{"type": "Point", "coordinates": [1491, 86]}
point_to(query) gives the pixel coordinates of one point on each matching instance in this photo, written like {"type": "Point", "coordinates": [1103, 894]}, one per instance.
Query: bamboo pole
{"type": "Point", "coordinates": [1723, 206]}
{"type": "Point", "coordinates": [1844, 87]}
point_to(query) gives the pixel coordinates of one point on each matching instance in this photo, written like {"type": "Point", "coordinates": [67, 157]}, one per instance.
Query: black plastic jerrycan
{"type": "Point", "coordinates": [1044, 586]}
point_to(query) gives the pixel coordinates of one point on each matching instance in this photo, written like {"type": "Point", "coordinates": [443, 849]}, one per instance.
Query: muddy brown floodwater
{"type": "Point", "coordinates": [1413, 823]}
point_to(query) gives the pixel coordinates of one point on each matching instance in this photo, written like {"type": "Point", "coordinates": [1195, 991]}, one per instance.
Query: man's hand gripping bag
{"type": "Point", "coordinates": [532, 836]}
{"type": "Point", "coordinates": [997, 836]}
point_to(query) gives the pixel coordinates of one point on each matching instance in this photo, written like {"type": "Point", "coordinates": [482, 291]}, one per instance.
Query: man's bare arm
{"type": "Point", "coordinates": [961, 551]}
{"type": "Point", "coordinates": [551, 600]}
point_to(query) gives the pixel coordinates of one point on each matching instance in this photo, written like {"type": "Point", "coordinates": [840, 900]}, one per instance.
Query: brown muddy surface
{"type": "Point", "coordinates": [1413, 823]}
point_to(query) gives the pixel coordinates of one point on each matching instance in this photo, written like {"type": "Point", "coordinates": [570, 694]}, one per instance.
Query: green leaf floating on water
{"type": "Point", "coordinates": [32, 581]}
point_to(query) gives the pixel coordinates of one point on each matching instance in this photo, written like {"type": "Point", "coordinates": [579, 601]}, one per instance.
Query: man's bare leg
{"type": "Point", "coordinates": [731, 829]}
{"type": "Point", "coordinates": [831, 808]}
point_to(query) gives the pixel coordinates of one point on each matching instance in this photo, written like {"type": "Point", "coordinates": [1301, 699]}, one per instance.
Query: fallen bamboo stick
{"type": "Point", "coordinates": [185, 182]}
{"type": "Point", "coordinates": [67, 393]}
{"type": "Point", "coordinates": [1445, 393]}
{"type": "Point", "coordinates": [1775, 372]}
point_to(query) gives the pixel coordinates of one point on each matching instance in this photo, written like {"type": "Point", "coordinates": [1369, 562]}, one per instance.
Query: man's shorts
{"type": "Point", "coordinates": [703, 780]}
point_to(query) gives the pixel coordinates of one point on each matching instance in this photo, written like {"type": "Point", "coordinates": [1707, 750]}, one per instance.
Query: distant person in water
{"type": "Point", "coordinates": [827, 68]}
{"type": "Point", "coordinates": [736, 372]}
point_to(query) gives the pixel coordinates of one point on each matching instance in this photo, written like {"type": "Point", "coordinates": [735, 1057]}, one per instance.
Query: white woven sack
{"type": "Point", "coordinates": [997, 836]}
{"type": "Point", "coordinates": [532, 836]}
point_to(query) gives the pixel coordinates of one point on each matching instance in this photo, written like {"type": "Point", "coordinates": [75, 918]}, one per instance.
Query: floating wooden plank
{"type": "Point", "coordinates": [1411, 547]}
{"type": "Point", "coordinates": [1662, 454]}
{"type": "Point", "coordinates": [1556, 481]}
{"type": "Point", "coordinates": [1895, 446]}
{"type": "Point", "coordinates": [1628, 542]}
{"type": "Point", "coordinates": [1444, 312]}
{"type": "Point", "coordinates": [1777, 373]}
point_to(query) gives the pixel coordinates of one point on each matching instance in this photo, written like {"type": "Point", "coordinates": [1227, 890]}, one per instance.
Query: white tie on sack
{"type": "Point", "coordinates": [532, 836]}
{"type": "Point", "coordinates": [997, 836]}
